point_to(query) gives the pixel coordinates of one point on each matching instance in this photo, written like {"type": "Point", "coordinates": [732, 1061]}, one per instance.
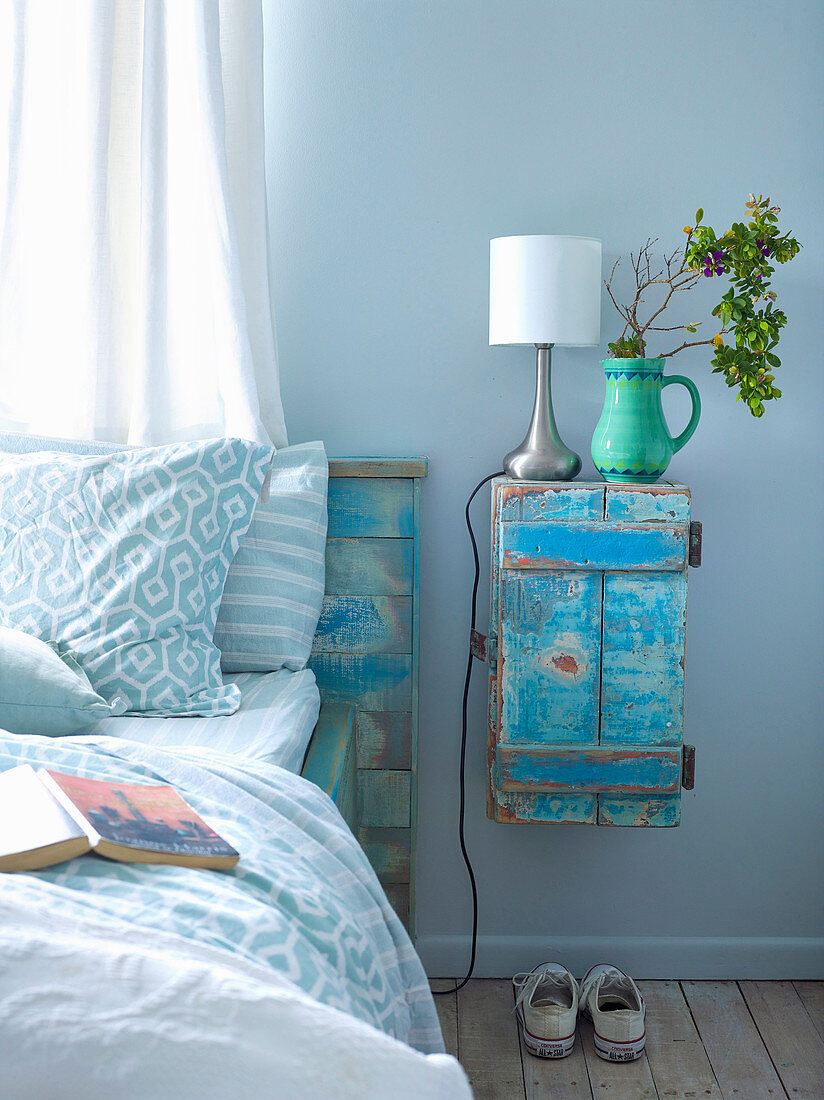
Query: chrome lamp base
{"type": "Point", "coordinates": [542, 456]}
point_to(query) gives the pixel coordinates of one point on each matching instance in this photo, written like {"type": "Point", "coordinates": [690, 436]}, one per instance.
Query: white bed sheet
{"type": "Point", "coordinates": [274, 723]}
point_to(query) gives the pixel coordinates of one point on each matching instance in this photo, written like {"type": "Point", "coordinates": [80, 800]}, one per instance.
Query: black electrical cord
{"type": "Point", "coordinates": [462, 773]}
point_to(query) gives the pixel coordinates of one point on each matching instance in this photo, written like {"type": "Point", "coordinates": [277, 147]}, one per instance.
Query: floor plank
{"type": "Point", "coordinates": [679, 1064]}
{"type": "Point", "coordinates": [488, 1040]}
{"type": "Point", "coordinates": [796, 1048]}
{"type": "Point", "coordinates": [556, 1078]}
{"type": "Point", "coordinates": [447, 1006]}
{"type": "Point", "coordinates": [812, 994]}
{"type": "Point", "coordinates": [736, 1052]}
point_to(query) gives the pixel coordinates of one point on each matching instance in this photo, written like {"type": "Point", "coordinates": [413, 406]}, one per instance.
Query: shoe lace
{"type": "Point", "coordinates": [612, 975]}
{"type": "Point", "coordinates": [527, 981]}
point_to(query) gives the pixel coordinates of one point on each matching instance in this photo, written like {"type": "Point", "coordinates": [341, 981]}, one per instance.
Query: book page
{"type": "Point", "coordinates": [29, 816]}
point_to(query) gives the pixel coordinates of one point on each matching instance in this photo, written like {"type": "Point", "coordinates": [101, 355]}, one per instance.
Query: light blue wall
{"type": "Point", "coordinates": [403, 134]}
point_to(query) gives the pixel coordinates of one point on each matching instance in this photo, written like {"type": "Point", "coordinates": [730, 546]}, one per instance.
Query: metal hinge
{"type": "Point", "coordinates": [695, 544]}
{"type": "Point", "coordinates": [483, 648]}
{"type": "Point", "coordinates": [688, 767]}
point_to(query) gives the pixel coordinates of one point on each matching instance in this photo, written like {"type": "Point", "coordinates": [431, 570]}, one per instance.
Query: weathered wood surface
{"type": "Point", "coordinates": [642, 663]}
{"type": "Point", "coordinates": [796, 1048]}
{"type": "Point", "coordinates": [661, 810]}
{"type": "Point", "coordinates": [663, 504]}
{"type": "Point", "coordinates": [588, 610]}
{"type": "Point", "coordinates": [388, 850]}
{"type": "Point", "coordinates": [385, 798]}
{"type": "Point", "coordinates": [812, 996]}
{"type": "Point", "coordinates": [447, 1006]}
{"type": "Point", "coordinates": [397, 894]}
{"type": "Point", "coordinates": [377, 681]}
{"type": "Point", "coordinates": [490, 1056]}
{"type": "Point", "coordinates": [631, 769]}
{"type": "Point", "coordinates": [536, 501]}
{"type": "Point", "coordinates": [550, 646]}
{"type": "Point", "coordinates": [594, 545]}
{"type": "Point", "coordinates": [737, 1055]}
{"type": "Point", "coordinates": [366, 651]}
{"type": "Point", "coordinates": [365, 624]}
{"type": "Point", "coordinates": [674, 1049]}
{"type": "Point", "coordinates": [370, 466]}
{"type": "Point", "coordinates": [543, 808]}
{"type": "Point", "coordinates": [384, 739]}
{"type": "Point", "coordinates": [370, 507]}
{"type": "Point", "coordinates": [369, 567]}
{"type": "Point", "coordinates": [330, 758]}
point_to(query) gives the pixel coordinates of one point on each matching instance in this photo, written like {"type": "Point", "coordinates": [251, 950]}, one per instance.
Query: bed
{"type": "Point", "coordinates": [293, 974]}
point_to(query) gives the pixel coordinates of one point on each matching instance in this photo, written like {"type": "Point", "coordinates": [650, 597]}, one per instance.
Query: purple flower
{"type": "Point", "coordinates": [764, 248]}
{"type": "Point", "coordinates": [713, 265]}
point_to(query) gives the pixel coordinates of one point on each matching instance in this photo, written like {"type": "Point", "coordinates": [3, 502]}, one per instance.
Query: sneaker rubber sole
{"type": "Point", "coordinates": [612, 1051]}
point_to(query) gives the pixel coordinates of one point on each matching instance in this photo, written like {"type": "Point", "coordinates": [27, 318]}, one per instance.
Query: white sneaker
{"type": "Point", "coordinates": [614, 1003]}
{"type": "Point", "coordinates": [546, 1003]}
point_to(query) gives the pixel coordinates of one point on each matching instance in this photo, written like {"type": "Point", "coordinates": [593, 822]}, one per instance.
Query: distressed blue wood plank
{"type": "Point", "coordinates": [364, 624]}
{"type": "Point", "coordinates": [550, 645]}
{"type": "Point", "coordinates": [369, 567]}
{"type": "Point", "coordinates": [384, 739]}
{"type": "Point", "coordinates": [388, 850]}
{"type": "Point", "coordinates": [545, 809]}
{"type": "Point", "coordinates": [384, 799]}
{"type": "Point", "coordinates": [626, 770]}
{"type": "Point", "coordinates": [529, 500]}
{"type": "Point", "coordinates": [330, 758]}
{"type": "Point", "coordinates": [659, 503]}
{"type": "Point", "coordinates": [374, 681]}
{"type": "Point", "coordinates": [642, 681]}
{"type": "Point", "coordinates": [593, 546]}
{"type": "Point", "coordinates": [370, 507]}
{"type": "Point", "coordinates": [661, 811]}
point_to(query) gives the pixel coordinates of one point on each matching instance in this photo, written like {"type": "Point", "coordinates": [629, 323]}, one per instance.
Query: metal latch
{"type": "Point", "coordinates": [695, 544]}
{"type": "Point", "coordinates": [688, 767]}
{"type": "Point", "coordinates": [483, 648]}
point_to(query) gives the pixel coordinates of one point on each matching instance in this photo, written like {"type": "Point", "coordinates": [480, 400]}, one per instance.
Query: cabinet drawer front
{"type": "Point", "coordinates": [594, 546]}
{"type": "Point", "coordinates": [630, 769]}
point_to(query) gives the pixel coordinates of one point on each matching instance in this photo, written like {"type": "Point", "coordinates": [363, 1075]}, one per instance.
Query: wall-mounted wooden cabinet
{"type": "Point", "coordinates": [586, 647]}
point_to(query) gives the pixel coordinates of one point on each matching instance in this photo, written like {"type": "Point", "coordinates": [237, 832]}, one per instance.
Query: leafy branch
{"type": "Point", "coordinates": [676, 276]}
{"type": "Point", "coordinates": [745, 253]}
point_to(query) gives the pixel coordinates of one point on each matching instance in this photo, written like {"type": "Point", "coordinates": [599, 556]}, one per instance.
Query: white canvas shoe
{"type": "Point", "coordinates": [614, 1003]}
{"type": "Point", "coordinates": [546, 1003]}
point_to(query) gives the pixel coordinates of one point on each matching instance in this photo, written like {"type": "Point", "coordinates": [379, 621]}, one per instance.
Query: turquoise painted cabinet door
{"type": "Point", "coordinates": [588, 624]}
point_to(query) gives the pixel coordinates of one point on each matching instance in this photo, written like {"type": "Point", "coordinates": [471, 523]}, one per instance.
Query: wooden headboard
{"type": "Point", "coordinates": [365, 651]}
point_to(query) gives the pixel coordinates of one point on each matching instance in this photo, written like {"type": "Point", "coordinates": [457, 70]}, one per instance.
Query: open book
{"type": "Point", "coordinates": [47, 816]}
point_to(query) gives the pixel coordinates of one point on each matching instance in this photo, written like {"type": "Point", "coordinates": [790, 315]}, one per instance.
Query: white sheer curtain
{"type": "Point", "coordinates": [134, 293]}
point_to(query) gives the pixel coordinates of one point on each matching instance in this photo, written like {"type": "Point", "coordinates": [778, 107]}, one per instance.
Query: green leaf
{"type": "Point", "coordinates": [699, 214]}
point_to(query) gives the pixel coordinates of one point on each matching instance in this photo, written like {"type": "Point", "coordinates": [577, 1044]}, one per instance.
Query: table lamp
{"type": "Point", "coordinates": [544, 290]}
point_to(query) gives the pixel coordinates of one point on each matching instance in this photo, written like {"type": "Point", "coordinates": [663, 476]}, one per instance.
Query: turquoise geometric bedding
{"type": "Point", "coordinates": [124, 558]}
{"type": "Point", "coordinates": [302, 900]}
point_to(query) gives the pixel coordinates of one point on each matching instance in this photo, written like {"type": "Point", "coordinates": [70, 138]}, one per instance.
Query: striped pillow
{"type": "Point", "coordinates": [274, 589]}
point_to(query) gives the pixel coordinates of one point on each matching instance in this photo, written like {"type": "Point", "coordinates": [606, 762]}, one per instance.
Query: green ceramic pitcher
{"type": "Point", "coordinates": [632, 442]}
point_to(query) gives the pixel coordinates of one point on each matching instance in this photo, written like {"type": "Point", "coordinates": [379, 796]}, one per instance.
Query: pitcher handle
{"type": "Point", "coordinates": [669, 380]}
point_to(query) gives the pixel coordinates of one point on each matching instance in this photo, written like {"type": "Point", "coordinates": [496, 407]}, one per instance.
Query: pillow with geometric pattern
{"type": "Point", "coordinates": [123, 557]}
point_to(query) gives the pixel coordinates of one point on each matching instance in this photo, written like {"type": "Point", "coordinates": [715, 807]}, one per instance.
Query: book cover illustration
{"type": "Point", "coordinates": [139, 815]}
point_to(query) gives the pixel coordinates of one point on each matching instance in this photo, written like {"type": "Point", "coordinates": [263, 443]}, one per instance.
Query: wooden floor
{"type": "Point", "coordinates": [717, 1040]}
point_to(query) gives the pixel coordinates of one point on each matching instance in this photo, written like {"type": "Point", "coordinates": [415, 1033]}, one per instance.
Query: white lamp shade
{"type": "Point", "coordinates": [545, 290]}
